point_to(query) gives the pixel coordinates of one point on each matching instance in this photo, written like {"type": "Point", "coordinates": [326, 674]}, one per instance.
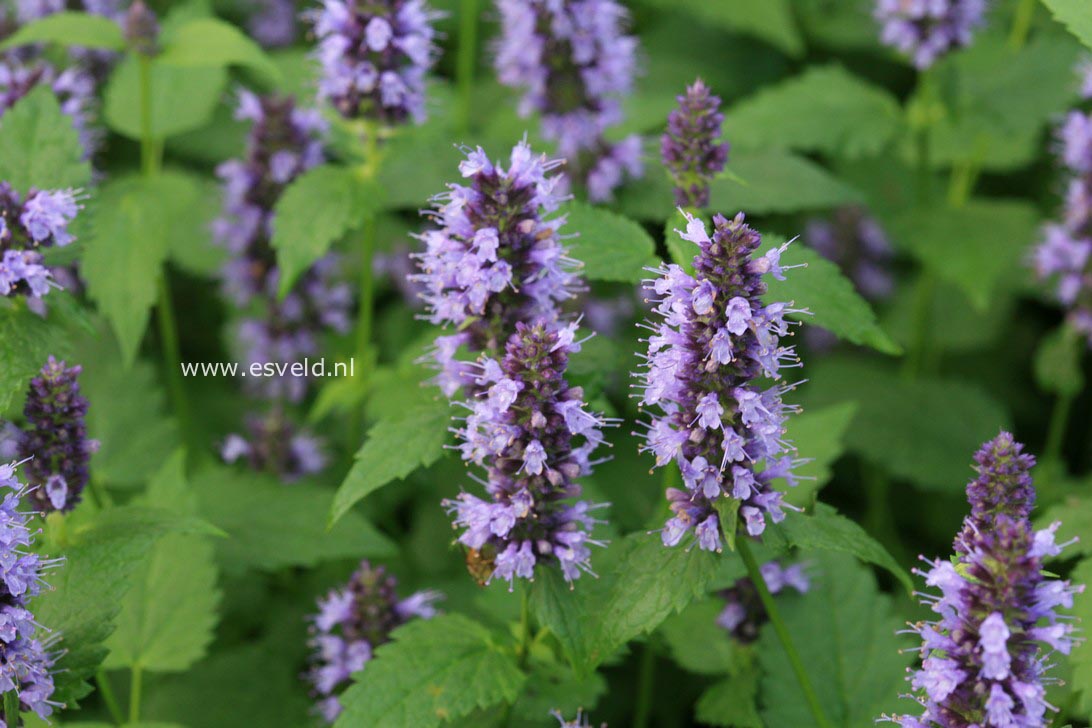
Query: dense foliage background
{"type": "Point", "coordinates": [188, 584]}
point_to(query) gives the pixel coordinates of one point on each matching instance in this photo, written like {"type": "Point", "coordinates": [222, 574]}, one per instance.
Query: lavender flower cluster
{"type": "Point", "coordinates": [284, 142]}
{"type": "Point", "coordinates": [574, 64]}
{"type": "Point", "coordinates": [1065, 250]}
{"type": "Point", "coordinates": [375, 56]}
{"type": "Point", "coordinates": [55, 438]}
{"type": "Point", "coordinates": [982, 658]}
{"type": "Point", "coordinates": [855, 241]}
{"type": "Point", "coordinates": [495, 260]}
{"type": "Point", "coordinates": [928, 29]}
{"type": "Point", "coordinates": [273, 22]}
{"type": "Point", "coordinates": [743, 613]}
{"type": "Point", "coordinates": [351, 623]}
{"type": "Point", "coordinates": [713, 341]}
{"type": "Point", "coordinates": [689, 147]}
{"type": "Point", "coordinates": [531, 432]}
{"type": "Point", "coordinates": [25, 660]}
{"type": "Point", "coordinates": [41, 221]}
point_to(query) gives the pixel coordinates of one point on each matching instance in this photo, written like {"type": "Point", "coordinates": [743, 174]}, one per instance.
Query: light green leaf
{"type": "Point", "coordinates": [318, 207]}
{"type": "Point", "coordinates": [213, 43]}
{"type": "Point", "coordinates": [1075, 15]}
{"type": "Point", "coordinates": [770, 20]}
{"type": "Point", "coordinates": [253, 509]}
{"type": "Point", "coordinates": [394, 448]}
{"type": "Point", "coordinates": [27, 340]}
{"type": "Point", "coordinates": [820, 288]}
{"type": "Point", "coordinates": [731, 702]}
{"type": "Point", "coordinates": [433, 671]}
{"type": "Point", "coordinates": [826, 530]}
{"type": "Point", "coordinates": [1081, 658]}
{"type": "Point", "coordinates": [611, 247]}
{"type": "Point", "coordinates": [39, 146]}
{"type": "Point", "coordinates": [776, 182]}
{"type": "Point", "coordinates": [1058, 362]}
{"type": "Point", "coordinates": [168, 616]}
{"type": "Point", "coordinates": [819, 438]}
{"type": "Point", "coordinates": [79, 30]}
{"type": "Point", "coordinates": [825, 109]}
{"type": "Point", "coordinates": [182, 99]}
{"type": "Point", "coordinates": [973, 247]}
{"type": "Point", "coordinates": [844, 630]}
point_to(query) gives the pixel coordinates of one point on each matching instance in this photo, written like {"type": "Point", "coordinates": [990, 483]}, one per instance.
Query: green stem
{"type": "Point", "coordinates": [466, 60]}
{"type": "Point", "coordinates": [524, 625]}
{"type": "Point", "coordinates": [1021, 23]}
{"type": "Point", "coordinates": [1059, 419]}
{"type": "Point", "coordinates": [149, 149]}
{"type": "Point", "coordinates": [782, 633]}
{"type": "Point", "coordinates": [106, 690]}
{"type": "Point", "coordinates": [168, 332]}
{"type": "Point", "coordinates": [135, 684]}
{"type": "Point", "coordinates": [922, 324]}
{"type": "Point", "coordinates": [643, 710]}
{"type": "Point", "coordinates": [11, 709]}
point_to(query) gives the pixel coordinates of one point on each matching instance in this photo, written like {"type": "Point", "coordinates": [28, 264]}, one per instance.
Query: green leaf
{"type": "Point", "coordinates": [612, 248]}
{"type": "Point", "coordinates": [826, 530]}
{"type": "Point", "coordinates": [253, 509]}
{"type": "Point", "coordinates": [924, 431]}
{"type": "Point", "coordinates": [731, 702]}
{"type": "Point", "coordinates": [27, 340]}
{"type": "Point", "coordinates": [212, 43]}
{"type": "Point", "coordinates": [825, 109]}
{"type": "Point", "coordinates": [1058, 362]}
{"type": "Point", "coordinates": [820, 288]}
{"type": "Point", "coordinates": [697, 643]}
{"type": "Point", "coordinates": [182, 99]}
{"type": "Point", "coordinates": [318, 207]}
{"type": "Point", "coordinates": [39, 146]}
{"type": "Point", "coordinates": [433, 671]}
{"type": "Point", "coordinates": [770, 20]}
{"type": "Point", "coordinates": [394, 448]}
{"type": "Point", "coordinates": [122, 262]}
{"type": "Point", "coordinates": [1081, 658]}
{"type": "Point", "coordinates": [776, 182]}
{"type": "Point", "coordinates": [974, 246]}
{"type": "Point", "coordinates": [554, 686]}
{"type": "Point", "coordinates": [1076, 15]}
{"type": "Point", "coordinates": [845, 634]}
{"type": "Point", "coordinates": [168, 616]}
{"type": "Point", "coordinates": [819, 437]}
{"type": "Point", "coordinates": [79, 30]}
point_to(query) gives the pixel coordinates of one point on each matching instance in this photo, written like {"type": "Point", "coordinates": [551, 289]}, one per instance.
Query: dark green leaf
{"type": "Point", "coordinates": [819, 438]}
{"type": "Point", "coordinates": [26, 341]}
{"type": "Point", "coordinates": [698, 643]}
{"type": "Point", "coordinates": [611, 247]}
{"type": "Point", "coordinates": [1058, 362]}
{"type": "Point", "coordinates": [39, 146]}
{"type": "Point", "coordinates": [770, 20]}
{"type": "Point", "coordinates": [731, 702]}
{"type": "Point", "coordinates": [80, 30]}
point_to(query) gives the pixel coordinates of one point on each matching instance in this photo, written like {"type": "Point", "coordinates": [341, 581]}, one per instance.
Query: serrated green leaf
{"type": "Point", "coordinates": [168, 615]}
{"type": "Point", "coordinates": [778, 182]}
{"type": "Point", "coordinates": [827, 530]}
{"type": "Point", "coordinates": [318, 207]}
{"type": "Point", "coordinates": [924, 431]}
{"type": "Point", "coordinates": [26, 341]}
{"type": "Point", "coordinates": [432, 671]}
{"type": "Point", "coordinates": [79, 30]}
{"type": "Point", "coordinates": [253, 510]}
{"type": "Point", "coordinates": [394, 448]}
{"type": "Point", "coordinates": [132, 228]}
{"type": "Point", "coordinates": [770, 20]}
{"type": "Point", "coordinates": [1058, 362]}
{"type": "Point", "coordinates": [39, 145]}
{"type": "Point", "coordinates": [845, 634]}
{"type": "Point", "coordinates": [611, 247]}
{"type": "Point", "coordinates": [209, 42]}
{"type": "Point", "coordinates": [825, 109]}
{"type": "Point", "coordinates": [182, 99]}
{"type": "Point", "coordinates": [974, 246]}
{"type": "Point", "coordinates": [1075, 15]}
{"type": "Point", "coordinates": [1081, 659]}
{"type": "Point", "coordinates": [834, 303]}
{"type": "Point", "coordinates": [819, 438]}
{"type": "Point", "coordinates": [731, 702]}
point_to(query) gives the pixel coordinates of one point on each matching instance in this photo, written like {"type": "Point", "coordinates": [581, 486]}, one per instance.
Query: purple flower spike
{"type": "Point", "coordinates": [273, 444]}
{"type": "Point", "coordinates": [495, 260]}
{"type": "Point", "coordinates": [574, 64]}
{"type": "Point", "coordinates": [743, 614]}
{"type": "Point", "coordinates": [856, 242]}
{"type": "Point", "coordinates": [528, 428]}
{"type": "Point", "coordinates": [375, 56]}
{"type": "Point", "coordinates": [713, 343]}
{"type": "Point", "coordinates": [985, 656]}
{"type": "Point", "coordinates": [351, 623]}
{"type": "Point", "coordinates": [926, 30]}
{"type": "Point", "coordinates": [689, 148]}
{"type": "Point", "coordinates": [25, 660]}
{"type": "Point", "coordinates": [55, 439]}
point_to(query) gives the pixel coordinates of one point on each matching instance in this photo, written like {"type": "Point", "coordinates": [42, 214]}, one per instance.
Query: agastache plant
{"type": "Point", "coordinates": [711, 345]}
{"type": "Point", "coordinates": [283, 143]}
{"type": "Point", "coordinates": [574, 64]}
{"type": "Point", "coordinates": [26, 661]}
{"type": "Point", "coordinates": [690, 148]}
{"type": "Point", "coordinates": [351, 623]}
{"type": "Point", "coordinates": [26, 227]}
{"type": "Point", "coordinates": [985, 657]}
{"type": "Point", "coordinates": [375, 55]}
{"type": "Point", "coordinates": [495, 260]}
{"type": "Point", "coordinates": [1065, 253]}
{"type": "Point", "coordinates": [926, 30]}
{"type": "Point", "coordinates": [531, 432]}
{"type": "Point", "coordinates": [743, 613]}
